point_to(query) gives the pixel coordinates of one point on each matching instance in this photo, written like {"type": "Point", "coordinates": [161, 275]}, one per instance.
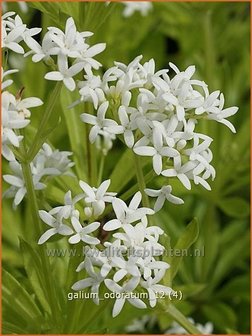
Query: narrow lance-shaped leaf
{"type": "Point", "coordinates": [187, 238]}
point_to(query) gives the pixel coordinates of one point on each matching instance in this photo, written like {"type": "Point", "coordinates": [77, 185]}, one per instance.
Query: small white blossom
{"type": "Point", "coordinates": [100, 123]}
{"type": "Point", "coordinates": [163, 194]}
{"type": "Point", "coordinates": [153, 287]}
{"type": "Point", "coordinates": [14, 31]}
{"type": "Point", "coordinates": [127, 214]}
{"type": "Point", "coordinates": [82, 232]}
{"type": "Point", "coordinates": [94, 281]}
{"type": "Point", "coordinates": [65, 73]}
{"type": "Point", "coordinates": [7, 82]}
{"type": "Point", "coordinates": [124, 292]}
{"type": "Point", "coordinates": [97, 197]}
{"type": "Point", "coordinates": [52, 162]}
{"type": "Point", "coordinates": [57, 225]}
{"type": "Point", "coordinates": [157, 151]}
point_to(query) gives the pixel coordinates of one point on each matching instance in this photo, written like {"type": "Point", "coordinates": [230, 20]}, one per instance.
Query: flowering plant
{"type": "Point", "coordinates": [154, 120]}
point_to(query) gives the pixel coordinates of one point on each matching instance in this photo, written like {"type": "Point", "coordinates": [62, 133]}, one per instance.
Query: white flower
{"type": "Point", "coordinates": [127, 214]}
{"type": "Point", "coordinates": [11, 120]}
{"type": "Point", "coordinates": [101, 123]}
{"type": "Point", "coordinates": [124, 292]}
{"type": "Point", "coordinates": [157, 151]}
{"type": "Point", "coordinates": [14, 31]}
{"type": "Point", "coordinates": [219, 114]}
{"type": "Point", "coordinates": [180, 171]}
{"type": "Point", "coordinates": [128, 127]}
{"type": "Point", "coordinates": [14, 114]}
{"type": "Point", "coordinates": [94, 281]}
{"type": "Point", "coordinates": [68, 209]}
{"type": "Point", "coordinates": [97, 197]}
{"type": "Point", "coordinates": [126, 267]}
{"type": "Point", "coordinates": [69, 43]}
{"type": "Point", "coordinates": [52, 162]}
{"type": "Point", "coordinates": [18, 188]}
{"type": "Point", "coordinates": [90, 90]}
{"type": "Point", "coordinates": [153, 288]}
{"type": "Point", "coordinates": [65, 73]}
{"type": "Point", "coordinates": [82, 233]}
{"type": "Point", "coordinates": [104, 141]}
{"type": "Point", "coordinates": [57, 225]}
{"type": "Point", "coordinates": [149, 265]}
{"type": "Point", "coordinates": [141, 239]}
{"type": "Point", "coordinates": [8, 82]}
{"type": "Point", "coordinates": [23, 105]}
{"type": "Point", "coordinates": [40, 52]}
{"type": "Point", "coordinates": [134, 6]}
{"type": "Point", "coordinates": [163, 194]}
{"type": "Point", "coordinates": [87, 54]}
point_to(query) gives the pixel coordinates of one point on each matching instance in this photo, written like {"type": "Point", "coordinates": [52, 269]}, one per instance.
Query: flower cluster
{"type": "Point", "coordinates": [14, 32]}
{"type": "Point", "coordinates": [71, 49]}
{"type": "Point", "coordinates": [154, 113]}
{"type": "Point", "coordinates": [15, 116]}
{"type": "Point", "coordinates": [47, 163]}
{"type": "Point", "coordinates": [126, 265]}
{"type": "Point", "coordinates": [157, 115]}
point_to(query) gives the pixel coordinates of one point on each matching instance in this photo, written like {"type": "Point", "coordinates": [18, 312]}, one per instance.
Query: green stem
{"type": "Point", "coordinates": [40, 136]}
{"type": "Point", "coordinates": [31, 195]}
{"type": "Point", "coordinates": [182, 320]}
{"type": "Point", "coordinates": [49, 288]}
{"type": "Point", "coordinates": [93, 163]}
{"type": "Point", "coordinates": [101, 167]}
{"type": "Point", "coordinates": [91, 153]}
{"type": "Point", "coordinates": [141, 181]}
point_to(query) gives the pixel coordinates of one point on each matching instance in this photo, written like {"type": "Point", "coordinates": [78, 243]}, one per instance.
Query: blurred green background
{"type": "Point", "coordinates": [216, 287]}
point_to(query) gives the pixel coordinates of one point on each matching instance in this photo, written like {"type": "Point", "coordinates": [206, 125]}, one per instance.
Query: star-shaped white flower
{"type": "Point", "coordinates": [94, 281]}
{"type": "Point", "coordinates": [124, 293]}
{"type": "Point", "coordinates": [158, 151]}
{"type": "Point", "coordinates": [127, 214]}
{"type": "Point", "coordinates": [56, 224]}
{"type": "Point", "coordinates": [153, 288]}
{"type": "Point", "coordinates": [163, 194]}
{"type": "Point", "coordinates": [68, 209]}
{"type": "Point", "coordinates": [97, 197]}
{"type": "Point", "coordinates": [65, 73]}
{"type": "Point", "coordinates": [180, 171]}
{"type": "Point", "coordinates": [101, 123]}
{"type": "Point", "coordinates": [82, 232]}
{"type": "Point", "coordinates": [18, 188]}
{"type": "Point", "coordinates": [128, 126]}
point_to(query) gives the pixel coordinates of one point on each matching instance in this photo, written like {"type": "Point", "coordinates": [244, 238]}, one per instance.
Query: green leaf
{"type": "Point", "coordinates": [187, 238]}
{"type": "Point", "coordinates": [16, 298]}
{"type": "Point", "coordinates": [34, 270]}
{"type": "Point", "coordinates": [220, 315]}
{"type": "Point", "coordinates": [229, 258]}
{"type": "Point", "coordinates": [76, 130]}
{"type": "Point", "coordinates": [235, 207]}
{"type": "Point", "coordinates": [49, 121]}
{"type": "Point", "coordinates": [236, 289]}
{"type": "Point", "coordinates": [189, 290]}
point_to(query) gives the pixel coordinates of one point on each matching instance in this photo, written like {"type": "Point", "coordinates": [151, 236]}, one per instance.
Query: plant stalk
{"type": "Point", "coordinates": [39, 137]}
{"type": "Point", "coordinates": [141, 181]}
